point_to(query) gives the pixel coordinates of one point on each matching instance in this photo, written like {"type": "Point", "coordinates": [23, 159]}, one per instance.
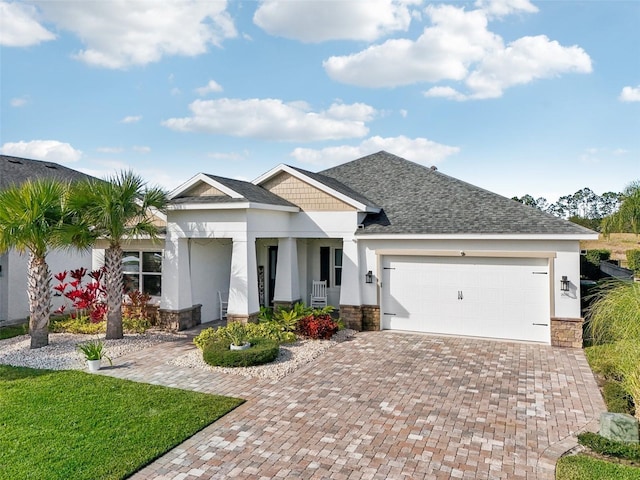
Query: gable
{"type": "Point", "coordinates": [303, 195]}
{"type": "Point", "coordinates": [203, 189]}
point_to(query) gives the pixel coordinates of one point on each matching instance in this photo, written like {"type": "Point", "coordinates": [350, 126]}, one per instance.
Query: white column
{"type": "Point", "coordinates": [287, 283]}
{"type": "Point", "coordinates": [352, 278]}
{"type": "Point", "coordinates": [243, 284]}
{"type": "Point", "coordinates": [176, 275]}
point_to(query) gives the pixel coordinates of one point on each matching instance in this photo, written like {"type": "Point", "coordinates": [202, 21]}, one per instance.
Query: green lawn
{"type": "Point", "coordinates": [71, 424]}
{"type": "Point", "coordinates": [13, 331]}
{"type": "Point", "coordinates": [583, 467]}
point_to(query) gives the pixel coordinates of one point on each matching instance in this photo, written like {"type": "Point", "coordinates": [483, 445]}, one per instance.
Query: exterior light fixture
{"type": "Point", "coordinates": [369, 277]}
{"type": "Point", "coordinates": [564, 284]}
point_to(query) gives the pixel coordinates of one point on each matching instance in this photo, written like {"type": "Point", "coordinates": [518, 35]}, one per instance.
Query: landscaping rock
{"type": "Point", "coordinates": [620, 427]}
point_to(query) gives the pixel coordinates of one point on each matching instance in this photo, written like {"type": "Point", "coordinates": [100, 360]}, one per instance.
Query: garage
{"type": "Point", "coordinates": [467, 295]}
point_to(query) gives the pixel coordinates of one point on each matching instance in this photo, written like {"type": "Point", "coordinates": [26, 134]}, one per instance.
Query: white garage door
{"type": "Point", "coordinates": [484, 297]}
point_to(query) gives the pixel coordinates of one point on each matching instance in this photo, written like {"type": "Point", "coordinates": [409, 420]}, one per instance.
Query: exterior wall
{"type": "Point", "coordinates": [210, 272]}
{"type": "Point", "coordinates": [566, 263]}
{"type": "Point", "coordinates": [14, 302]}
{"type": "Point", "coordinates": [305, 196]}
{"type": "Point", "coordinates": [313, 269]}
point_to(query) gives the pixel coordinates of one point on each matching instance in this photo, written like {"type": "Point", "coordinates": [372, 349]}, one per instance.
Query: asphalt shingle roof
{"type": "Point", "coordinates": [249, 192]}
{"type": "Point", "coordinates": [420, 200]}
{"type": "Point", "coordinates": [16, 170]}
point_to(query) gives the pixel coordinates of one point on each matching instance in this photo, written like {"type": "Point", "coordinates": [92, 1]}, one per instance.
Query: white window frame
{"type": "Point", "coordinates": [141, 273]}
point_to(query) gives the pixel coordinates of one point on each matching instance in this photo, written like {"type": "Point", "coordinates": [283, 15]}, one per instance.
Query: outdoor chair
{"type": "Point", "coordinates": [318, 294]}
{"type": "Point", "coordinates": [223, 297]}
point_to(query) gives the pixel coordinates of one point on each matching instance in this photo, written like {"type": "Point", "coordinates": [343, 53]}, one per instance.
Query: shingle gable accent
{"type": "Point", "coordinates": [203, 189]}
{"type": "Point", "coordinates": [304, 195]}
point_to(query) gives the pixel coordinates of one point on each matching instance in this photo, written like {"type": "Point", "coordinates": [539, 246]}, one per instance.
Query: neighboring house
{"type": "Point", "coordinates": [14, 304]}
{"type": "Point", "coordinates": [401, 247]}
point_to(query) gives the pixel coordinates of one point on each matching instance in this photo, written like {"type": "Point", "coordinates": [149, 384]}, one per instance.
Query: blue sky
{"type": "Point", "coordinates": [515, 96]}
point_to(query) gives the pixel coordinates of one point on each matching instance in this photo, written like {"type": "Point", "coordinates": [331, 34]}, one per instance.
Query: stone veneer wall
{"type": "Point", "coordinates": [181, 319]}
{"type": "Point", "coordinates": [352, 316]}
{"type": "Point", "coordinates": [566, 332]}
{"type": "Point", "coordinates": [371, 318]}
{"type": "Point", "coordinates": [285, 305]}
{"type": "Point", "coordinates": [253, 318]}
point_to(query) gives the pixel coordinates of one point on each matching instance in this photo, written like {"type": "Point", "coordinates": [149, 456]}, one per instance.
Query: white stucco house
{"type": "Point", "coordinates": [14, 303]}
{"type": "Point", "coordinates": [401, 247]}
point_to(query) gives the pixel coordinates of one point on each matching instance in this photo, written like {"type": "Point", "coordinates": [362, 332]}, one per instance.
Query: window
{"type": "Point", "coordinates": [142, 271]}
{"type": "Point", "coordinates": [331, 265]}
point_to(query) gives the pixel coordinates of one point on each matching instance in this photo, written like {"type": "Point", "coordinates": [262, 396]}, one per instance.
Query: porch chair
{"type": "Point", "coordinates": [223, 297]}
{"type": "Point", "coordinates": [318, 294]}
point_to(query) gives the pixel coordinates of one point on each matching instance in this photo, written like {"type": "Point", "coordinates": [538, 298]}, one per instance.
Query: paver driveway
{"type": "Point", "coordinates": [387, 405]}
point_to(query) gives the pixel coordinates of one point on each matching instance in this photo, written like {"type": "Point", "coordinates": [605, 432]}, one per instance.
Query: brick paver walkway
{"type": "Point", "coordinates": [386, 406]}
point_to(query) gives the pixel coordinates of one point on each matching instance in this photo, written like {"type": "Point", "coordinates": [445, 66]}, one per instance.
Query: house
{"type": "Point", "coordinates": [401, 247]}
{"type": "Point", "coordinates": [14, 304]}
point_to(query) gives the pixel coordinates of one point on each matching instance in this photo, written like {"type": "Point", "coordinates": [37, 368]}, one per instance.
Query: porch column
{"type": "Point", "coordinates": [350, 297]}
{"type": "Point", "coordinates": [287, 290]}
{"type": "Point", "coordinates": [176, 275]}
{"type": "Point", "coordinates": [243, 284]}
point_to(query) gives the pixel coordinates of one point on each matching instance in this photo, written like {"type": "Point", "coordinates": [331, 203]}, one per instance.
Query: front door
{"type": "Point", "coordinates": [273, 262]}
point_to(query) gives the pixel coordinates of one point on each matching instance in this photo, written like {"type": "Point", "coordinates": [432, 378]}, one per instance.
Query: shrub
{"type": "Point", "coordinates": [602, 360]}
{"type": "Point", "coordinates": [633, 260]}
{"type": "Point", "coordinates": [262, 350]}
{"type": "Point", "coordinates": [597, 255]}
{"type": "Point", "coordinates": [614, 313]}
{"type": "Point", "coordinates": [270, 330]}
{"type": "Point", "coordinates": [76, 325]}
{"type": "Point", "coordinates": [604, 446]}
{"type": "Point", "coordinates": [617, 398]}
{"type": "Point", "coordinates": [136, 324]}
{"type": "Point", "coordinates": [317, 326]}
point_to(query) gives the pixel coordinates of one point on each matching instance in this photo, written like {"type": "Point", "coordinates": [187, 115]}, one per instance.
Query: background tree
{"type": "Point", "coordinates": [30, 218]}
{"type": "Point", "coordinates": [116, 210]}
{"type": "Point", "coordinates": [627, 218]}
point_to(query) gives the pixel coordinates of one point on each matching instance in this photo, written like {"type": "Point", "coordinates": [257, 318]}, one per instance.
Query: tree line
{"type": "Point", "coordinates": [606, 213]}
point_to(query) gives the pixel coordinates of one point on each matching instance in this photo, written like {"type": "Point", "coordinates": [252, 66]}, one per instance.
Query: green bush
{"type": "Point", "coordinates": [76, 325]}
{"type": "Point", "coordinates": [633, 260]}
{"type": "Point", "coordinates": [604, 446]}
{"type": "Point", "coordinates": [261, 351]}
{"type": "Point", "coordinates": [271, 330]}
{"type": "Point", "coordinates": [617, 398]}
{"type": "Point", "coordinates": [602, 360]}
{"type": "Point", "coordinates": [597, 255]}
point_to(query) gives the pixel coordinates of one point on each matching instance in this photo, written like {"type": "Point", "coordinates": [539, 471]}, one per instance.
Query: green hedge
{"type": "Point", "coordinates": [633, 260]}
{"type": "Point", "coordinates": [597, 255]}
{"type": "Point", "coordinates": [262, 350]}
{"type": "Point", "coordinates": [604, 446]}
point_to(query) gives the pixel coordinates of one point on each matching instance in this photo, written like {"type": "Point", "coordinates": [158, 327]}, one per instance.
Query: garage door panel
{"type": "Point", "coordinates": [492, 297]}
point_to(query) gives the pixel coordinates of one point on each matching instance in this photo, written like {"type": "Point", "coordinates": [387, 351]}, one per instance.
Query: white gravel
{"type": "Point", "coordinates": [62, 354]}
{"type": "Point", "coordinates": [291, 357]}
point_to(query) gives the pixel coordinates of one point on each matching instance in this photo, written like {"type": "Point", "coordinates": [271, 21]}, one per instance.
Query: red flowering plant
{"type": "Point", "coordinates": [317, 326]}
{"type": "Point", "coordinates": [87, 298]}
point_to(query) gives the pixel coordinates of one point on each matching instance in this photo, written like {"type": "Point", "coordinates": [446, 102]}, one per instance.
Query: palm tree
{"type": "Point", "coordinates": [116, 210]}
{"type": "Point", "coordinates": [628, 215]}
{"type": "Point", "coordinates": [30, 218]}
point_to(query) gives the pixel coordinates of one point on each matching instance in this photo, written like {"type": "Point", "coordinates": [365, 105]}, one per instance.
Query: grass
{"type": "Point", "coordinates": [70, 424]}
{"type": "Point", "coordinates": [618, 243]}
{"type": "Point", "coordinates": [584, 467]}
{"type": "Point", "coordinates": [13, 331]}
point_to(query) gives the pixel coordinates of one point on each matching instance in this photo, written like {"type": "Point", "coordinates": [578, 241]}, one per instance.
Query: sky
{"type": "Point", "coordinates": [515, 96]}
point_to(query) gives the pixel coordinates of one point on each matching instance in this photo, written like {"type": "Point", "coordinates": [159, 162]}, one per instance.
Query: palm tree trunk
{"type": "Point", "coordinates": [39, 292]}
{"type": "Point", "coordinates": [114, 286]}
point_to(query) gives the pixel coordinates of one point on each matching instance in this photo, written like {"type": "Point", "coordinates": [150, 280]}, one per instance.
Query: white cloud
{"type": "Point", "coordinates": [109, 149]}
{"type": "Point", "coordinates": [175, 91]}
{"type": "Point", "coordinates": [131, 119]}
{"type": "Point", "coordinates": [501, 8]}
{"type": "Point", "coordinates": [620, 151]}
{"type": "Point", "coordinates": [403, 113]}
{"type": "Point", "coordinates": [231, 156]}
{"type": "Point", "coordinates": [121, 33]}
{"type": "Point", "coordinates": [459, 47]}
{"type": "Point", "coordinates": [319, 21]}
{"type": "Point", "coordinates": [20, 26]}
{"type": "Point", "coordinates": [141, 149]}
{"type": "Point", "coordinates": [419, 150]}
{"type": "Point", "coordinates": [19, 101]}
{"type": "Point", "coordinates": [210, 87]}
{"type": "Point", "coordinates": [51, 150]}
{"type": "Point", "coordinates": [272, 119]}
{"type": "Point", "coordinates": [630, 94]}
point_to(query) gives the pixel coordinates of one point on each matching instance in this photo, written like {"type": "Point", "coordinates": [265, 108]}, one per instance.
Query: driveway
{"type": "Point", "coordinates": [387, 405]}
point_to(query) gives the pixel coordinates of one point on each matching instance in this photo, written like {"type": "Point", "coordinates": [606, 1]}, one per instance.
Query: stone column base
{"type": "Point", "coordinates": [177, 320]}
{"type": "Point", "coordinates": [251, 318]}
{"type": "Point", "coordinates": [371, 318]}
{"type": "Point", "coordinates": [566, 332]}
{"type": "Point", "coordinates": [284, 304]}
{"type": "Point", "coordinates": [351, 315]}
